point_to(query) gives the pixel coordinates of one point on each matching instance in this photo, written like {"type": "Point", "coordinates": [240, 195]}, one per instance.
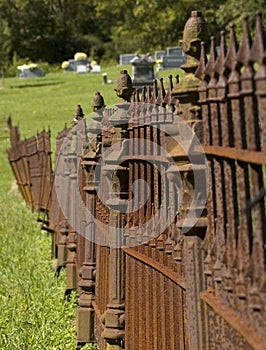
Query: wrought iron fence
{"type": "Point", "coordinates": [157, 206]}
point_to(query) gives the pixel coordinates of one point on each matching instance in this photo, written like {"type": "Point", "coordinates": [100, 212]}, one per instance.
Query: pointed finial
{"type": "Point", "coordinates": [154, 91]}
{"type": "Point", "coordinates": [98, 101]}
{"type": "Point", "coordinates": [124, 86]}
{"type": "Point", "coordinates": [200, 72]}
{"type": "Point", "coordinates": [168, 96]}
{"type": "Point", "coordinates": [148, 94]}
{"type": "Point", "coordinates": [161, 94]}
{"type": "Point", "coordinates": [259, 43]}
{"type": "Point", "coordinates": [219, 66]}
{"type": "Point", "coordinates": [143, 94]}
{"type": "Point", "coordinates": [230, 59]}
{"type": "Point", "coordinates": [209, 69]}
{"type": "Point", "coordinates": [137, 97]}
{"type": "Point", "coordinates": [244, 48]}
{"type": "Point", "coordinates": [78, 114]}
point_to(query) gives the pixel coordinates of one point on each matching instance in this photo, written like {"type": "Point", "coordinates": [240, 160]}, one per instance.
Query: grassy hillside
{"type": "Point", "coordinates": [51, 101]}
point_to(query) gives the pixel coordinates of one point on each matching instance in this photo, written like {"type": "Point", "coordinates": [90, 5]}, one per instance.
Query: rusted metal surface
{"type": "Point", "coordinates": [247, 337]}
{"type": "Point", "coordinates": [17, 159]}
{"type": "Point", "coordinates": [57, 221]}
{"type": "Point", "coordinates": [44, 149]}
{"type": "Point", "coordinates": [13, 132]}
{"type": "Point", "coordinates": [32, 158]}
{"type": "Point", "coordinates": [234, 145]}
{"type": "Point", "coordinates": [85, 314]}
{"type": "Point", "coordinates": [30, 161]}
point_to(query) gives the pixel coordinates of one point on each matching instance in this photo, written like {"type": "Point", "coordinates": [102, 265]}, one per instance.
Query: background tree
{"type": "Point", "coordinates": [5, 39]}
{"type": "Point", "coordinates": [53, 30]}
{"type": "Point", "coordinates": [232, 12]}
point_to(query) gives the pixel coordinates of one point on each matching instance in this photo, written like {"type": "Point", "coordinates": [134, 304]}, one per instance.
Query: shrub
{"type": "Point", "coordinates": [80, 56]}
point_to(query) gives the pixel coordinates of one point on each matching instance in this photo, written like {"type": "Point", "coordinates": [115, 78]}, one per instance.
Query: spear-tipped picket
{"type": "Point", "coordinates": [219, 66]}
{"type": "Point", "coordinates": [161, 94]}
{"type": "Point", "coordinates": [209, 69]}
{"type": "Point", "coordinates": [200, 72]}
{"type": "Point", "coordinates": [259, 44]}
{"type": "Point", "coordinates": [230, 59]}
{"type": "Point", "coordinates": [243, 54]}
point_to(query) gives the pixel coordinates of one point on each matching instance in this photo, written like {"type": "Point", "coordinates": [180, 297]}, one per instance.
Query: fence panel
{"type": "Point", "coordinates": [235, 260]}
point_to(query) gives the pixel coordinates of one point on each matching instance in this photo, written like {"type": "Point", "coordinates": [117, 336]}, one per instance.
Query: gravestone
{"type": "Point", "coordinates": [81, 69]}
{"type": "Point", "coordinates": [169, 62]}
{"type": "Point", "coordinates": [26, 71]}
{"type": "Point", "coordinates": [174, 59]}
{"type": "Point", "coordinates": [159, 55]}
{"type": "Point", "coordinates": [96, 68]}
{"type": "Point", "coordinates": [174, 51]}
{"type": "Point", "coordinates": [74, 64]}
{"type": "Point", "coordinates": [142, 70]}
{"type": "Point", "coordinates": [126, 58]}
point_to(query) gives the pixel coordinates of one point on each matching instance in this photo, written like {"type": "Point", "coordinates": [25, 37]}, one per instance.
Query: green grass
{"type": "Point", "coordinates": [34, 314]}
{"type": "Point", "coordinates": [51, 101]}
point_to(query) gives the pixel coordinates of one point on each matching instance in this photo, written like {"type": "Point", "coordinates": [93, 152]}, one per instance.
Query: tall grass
{"type": "Point", "coordinates": [34, 314]}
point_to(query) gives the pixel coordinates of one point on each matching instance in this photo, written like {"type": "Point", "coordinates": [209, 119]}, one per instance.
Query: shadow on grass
{"type": "Point", "coordinates": [36, 84]}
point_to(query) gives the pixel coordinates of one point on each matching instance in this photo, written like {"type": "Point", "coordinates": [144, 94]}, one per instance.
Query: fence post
{"type": "Point", "coordinates": [186, 92]}
{"type": "Point", "coordinates": [92, 153]}
{"type": "Point", "coordinates": [116, 173]}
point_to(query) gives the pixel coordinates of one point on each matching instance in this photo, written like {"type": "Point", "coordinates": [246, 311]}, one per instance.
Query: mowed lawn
{"type": "Point", "coordinates": [34, 313]}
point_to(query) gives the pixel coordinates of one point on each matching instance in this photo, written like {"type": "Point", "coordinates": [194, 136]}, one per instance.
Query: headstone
{"type": "Point", "coordinates": [142, 70]}
{"type": "Point", "coordinates": [126, 58]}
{"type": "Point", "coordinates": [174, 51]}
{"type": "Point", "coordinates": [96, 68]}
{"type": "Point", "coordinates": [31, 73]}
{"type": "Point", "coordinates": [73, 64]}
{"type": "Point", "coordinates": [169, 62]}
{"type": "Point", "coordinates": [159, 55]}
{"type": "Point", "coordinates": [81, 69]}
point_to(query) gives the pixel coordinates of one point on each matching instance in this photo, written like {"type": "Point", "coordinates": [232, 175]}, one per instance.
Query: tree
{"type": "Point", "coordinates": [5, 40]}
{"type": "Point", "coordinates": [232, 12]}
{"type": "Point", "coordinates": [144, 26]}
{"type": "Point", "coordinates": [53, 30]}
{"type": "Point", "coordinates": [48, 30]}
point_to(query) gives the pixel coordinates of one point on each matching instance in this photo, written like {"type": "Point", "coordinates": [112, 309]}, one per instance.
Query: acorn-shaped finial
{"type": "Point", "coordinates": [124, 87]}
{"type": "Point", "coordinates": [98, 101]}
{"type": "Point", "coordinates": [78, 114]}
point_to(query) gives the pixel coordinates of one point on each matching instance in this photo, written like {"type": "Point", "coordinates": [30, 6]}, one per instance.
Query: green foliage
{"type": "Point", "coordinates": [47, 30]}
{"type": "Point", "coordinates": [5, 41]}
{"type": "Point", "coordinates": [53, 30]}
{"type": "Point", "coordinates": [232, 12]}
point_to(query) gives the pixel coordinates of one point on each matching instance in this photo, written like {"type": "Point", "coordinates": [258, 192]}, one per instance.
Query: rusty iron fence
{"type": "Point", "coordinates": [156, 207]}
{"type": "Point", "coordinates": [30, 160]}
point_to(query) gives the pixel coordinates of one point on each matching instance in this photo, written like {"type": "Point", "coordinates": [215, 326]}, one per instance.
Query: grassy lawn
{"type": "Point", "coordinates": [51, 101]}
{"type": "Point", "coordinates": [34, 314]}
